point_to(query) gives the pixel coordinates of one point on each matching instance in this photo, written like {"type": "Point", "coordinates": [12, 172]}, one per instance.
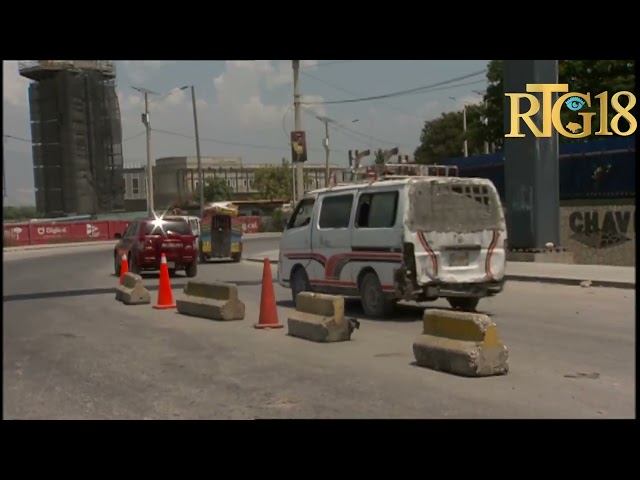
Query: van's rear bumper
{"type": "Point", "coordinates": [479, 289]}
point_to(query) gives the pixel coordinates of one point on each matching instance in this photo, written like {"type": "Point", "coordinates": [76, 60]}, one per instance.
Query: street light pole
{"type": "Point", "coordinates": [200, 174]}
{"type": "Point", "coordinates": [326, 150]}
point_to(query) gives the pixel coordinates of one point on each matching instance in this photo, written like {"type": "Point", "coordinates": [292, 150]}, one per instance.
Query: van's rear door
{"type": "Point", "coordinates": [458, 230]}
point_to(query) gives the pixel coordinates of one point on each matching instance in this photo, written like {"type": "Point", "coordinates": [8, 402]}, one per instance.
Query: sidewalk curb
{"type": "Point", "coordinates": [261, 260]}
{"type": "Point", "coordinates": [50, 246]}
{"type": "Point", "coordinates": [575, 282]}
{"type": "Point", "coordinates": [53, 246]}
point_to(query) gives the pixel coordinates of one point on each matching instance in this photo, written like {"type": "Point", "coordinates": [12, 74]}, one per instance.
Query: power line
{"type": "Point", "coordinates": [348, 92]}
{"type": "Point", "coordinates": [411, 91]}
{"type": "Point", "coordinates": [16, 138]}
{"type": "Point", "coordinates": [132, 137]}
{"type": "Point", "coordinates": [29, 141]}
{"type": "Point", "coordinates": [333, 62]}
{"type": "Point", "coordinates": [337, 127]}
{"type": "Point", "coordinates": [223, 142]}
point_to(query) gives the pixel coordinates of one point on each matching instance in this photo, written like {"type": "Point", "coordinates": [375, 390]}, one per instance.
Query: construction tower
{"type": "Point", "coordinates": [77, 136]}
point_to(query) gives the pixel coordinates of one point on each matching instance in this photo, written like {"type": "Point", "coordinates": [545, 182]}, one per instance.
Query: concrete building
{"type": "Point", "coordinates": [76, 135]}
{"type": "Point", "coordinates": [176, 179]}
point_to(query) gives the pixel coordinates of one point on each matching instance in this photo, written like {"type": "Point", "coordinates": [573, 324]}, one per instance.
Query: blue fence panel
{"type": "Point", "coordinates": [602, 168]}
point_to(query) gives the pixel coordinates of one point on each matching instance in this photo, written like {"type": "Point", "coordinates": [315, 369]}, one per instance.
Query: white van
{"type": "Point", "coordinates": [194, 223]}
{"type": "Point", "coordinates": [415, 237]}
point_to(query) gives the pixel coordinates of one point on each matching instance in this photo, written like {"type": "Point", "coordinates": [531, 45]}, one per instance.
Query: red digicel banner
{"type": "Point", "coordinates": [20, 234]}
{"type": "Point", "coordinates": [249, 224]}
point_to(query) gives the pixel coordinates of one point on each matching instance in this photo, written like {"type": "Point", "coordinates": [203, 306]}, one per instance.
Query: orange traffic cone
{"type": "Point", "coordinates": [124, 267]}
{"type": "Point", "coordinates": [268, 311]}
{"type": "Point", "coordinates": [165, 294]}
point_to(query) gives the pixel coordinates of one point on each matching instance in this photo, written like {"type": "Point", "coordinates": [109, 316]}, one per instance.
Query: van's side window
{"type": "Point", "coordinates": [336, 211]}
{"type": "Point", "coordinates": [377, 210]}
{"type": "Point", "coordinates": [302, 214]}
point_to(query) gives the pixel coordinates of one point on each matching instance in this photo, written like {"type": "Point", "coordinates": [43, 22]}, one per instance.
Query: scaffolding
{"type": "Point", "coordinates": [77, 137]}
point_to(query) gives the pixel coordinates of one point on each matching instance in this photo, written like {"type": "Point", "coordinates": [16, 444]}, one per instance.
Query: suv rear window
{"type": "Point", "coordinates": [181, 228]}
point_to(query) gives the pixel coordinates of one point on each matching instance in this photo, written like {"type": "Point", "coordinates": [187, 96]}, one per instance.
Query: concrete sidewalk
{"type": "Point", "coordinates": [565, 274]}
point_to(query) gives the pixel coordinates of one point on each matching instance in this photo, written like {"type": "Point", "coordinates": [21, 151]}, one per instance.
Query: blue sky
{"type": "Point", "coordinates": [249, 103]}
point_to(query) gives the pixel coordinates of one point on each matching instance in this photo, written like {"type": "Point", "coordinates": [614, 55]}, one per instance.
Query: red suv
{"type": "Point", "coordinates": [145, 241]}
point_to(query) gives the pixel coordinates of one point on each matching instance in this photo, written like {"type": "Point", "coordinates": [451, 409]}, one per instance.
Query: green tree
{"type": "Point", "coordinates": [444, 137]}
{"type": "Point", "coordinates": [216, 190]}
{"type": "Point", "coordinates": [19, 213]}
{"type": "Point", "coordinates": [379, 157]}
{"type": "Point", "coordinates": [584, 76]}
{"type": "Point", "coordinates": [274, 183]}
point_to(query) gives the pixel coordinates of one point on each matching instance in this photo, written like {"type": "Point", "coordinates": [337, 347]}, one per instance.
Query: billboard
{"type": "Point", "coordinates": [298, 146]}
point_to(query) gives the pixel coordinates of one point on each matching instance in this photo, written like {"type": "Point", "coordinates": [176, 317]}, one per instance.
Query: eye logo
{"type": "Point", "coordinates": [575, 103]}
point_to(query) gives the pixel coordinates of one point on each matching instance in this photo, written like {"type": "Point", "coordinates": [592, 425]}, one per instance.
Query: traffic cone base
{"type": "Point", "coordinates": [268, 311]}
{"type": "Point", "coordinates": [124, 266]}
{"type": "Point", "coordinates": [259, 325]}
{"type": "Point", "coordinates": [165, 294]}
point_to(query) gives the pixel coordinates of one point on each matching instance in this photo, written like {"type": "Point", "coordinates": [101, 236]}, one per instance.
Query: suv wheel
{"type": "Point", "coordinates": [191, 270]}
{"type": "Point", "coordinates": [133, 267]}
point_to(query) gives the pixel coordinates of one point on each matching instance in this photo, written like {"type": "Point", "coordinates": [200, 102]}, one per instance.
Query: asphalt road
{"type": "Point", "coordinates": [72, 352]}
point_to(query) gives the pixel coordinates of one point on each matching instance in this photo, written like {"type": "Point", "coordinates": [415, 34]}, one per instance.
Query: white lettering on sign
{"type": "Point", "coordinates": [16, 232]}
{"type": "Point", "coordinates": [51, 230]}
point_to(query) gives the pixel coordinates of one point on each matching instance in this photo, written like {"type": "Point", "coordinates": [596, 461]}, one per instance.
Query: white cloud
{"type": "Point", "coordinates": [14, 87]}
{"type": "Point", "coordinates": [283, 72]}
{"type": "Point", "coordinates": [238, 92]}
{"type": "Point", "coordinates": [141, 70]}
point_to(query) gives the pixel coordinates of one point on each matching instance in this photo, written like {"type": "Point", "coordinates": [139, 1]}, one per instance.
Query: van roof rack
{"type": "Point", "coordinates": [397, 171]}
{"type": "Point", "coordinates": [417, 169]}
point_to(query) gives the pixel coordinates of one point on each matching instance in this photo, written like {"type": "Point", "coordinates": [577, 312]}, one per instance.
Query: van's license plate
{"type": "Point", "coordinates": [171, 265]}
{"type": "Point", "coordinates": [459, 259]}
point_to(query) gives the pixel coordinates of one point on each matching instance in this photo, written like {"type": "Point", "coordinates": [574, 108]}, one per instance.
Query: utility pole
{"type": "Point", "coordinates": [464, 129]}
{"type": "Point", "coordinates": [200, 175]}
{"type": "Point", "coordinates": [298, 127]}
{"type": "Point", "coordinates": [147, 122]}
{"type": "Point", "coordinates": [326, 150]}
{"type": "Point", "coordinates": [4, 174]}
{"type": "Point", "coordinates": [486, 120]}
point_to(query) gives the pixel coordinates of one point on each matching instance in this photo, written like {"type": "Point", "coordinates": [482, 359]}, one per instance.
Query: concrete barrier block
{"type": "Point", "coordinates": [132, 291]}
{"type": "Point", "coordinates": [461, 343]}
{"type": "Point", "coordinates": [320, 318]}
{"type": "Point", "coordinates": [212, 300]}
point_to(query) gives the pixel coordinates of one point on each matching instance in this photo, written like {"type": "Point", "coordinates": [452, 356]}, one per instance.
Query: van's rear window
{"type": "Point", "coordinates": [453, 205]}
{"type": "Point", "coordinates": [181, 228]}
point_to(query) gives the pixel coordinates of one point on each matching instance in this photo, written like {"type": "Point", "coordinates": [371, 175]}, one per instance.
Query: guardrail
{"type": "Point", "coordinates": [24, 234]}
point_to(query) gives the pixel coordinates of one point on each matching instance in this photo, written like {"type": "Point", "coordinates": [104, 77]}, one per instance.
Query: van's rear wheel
{"type": "Point", "coordinates": [374, 302]}
{"type": "Point", "coordinates": [299, 283]}
{"type": "Point", "coordinates": [467, 304]}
